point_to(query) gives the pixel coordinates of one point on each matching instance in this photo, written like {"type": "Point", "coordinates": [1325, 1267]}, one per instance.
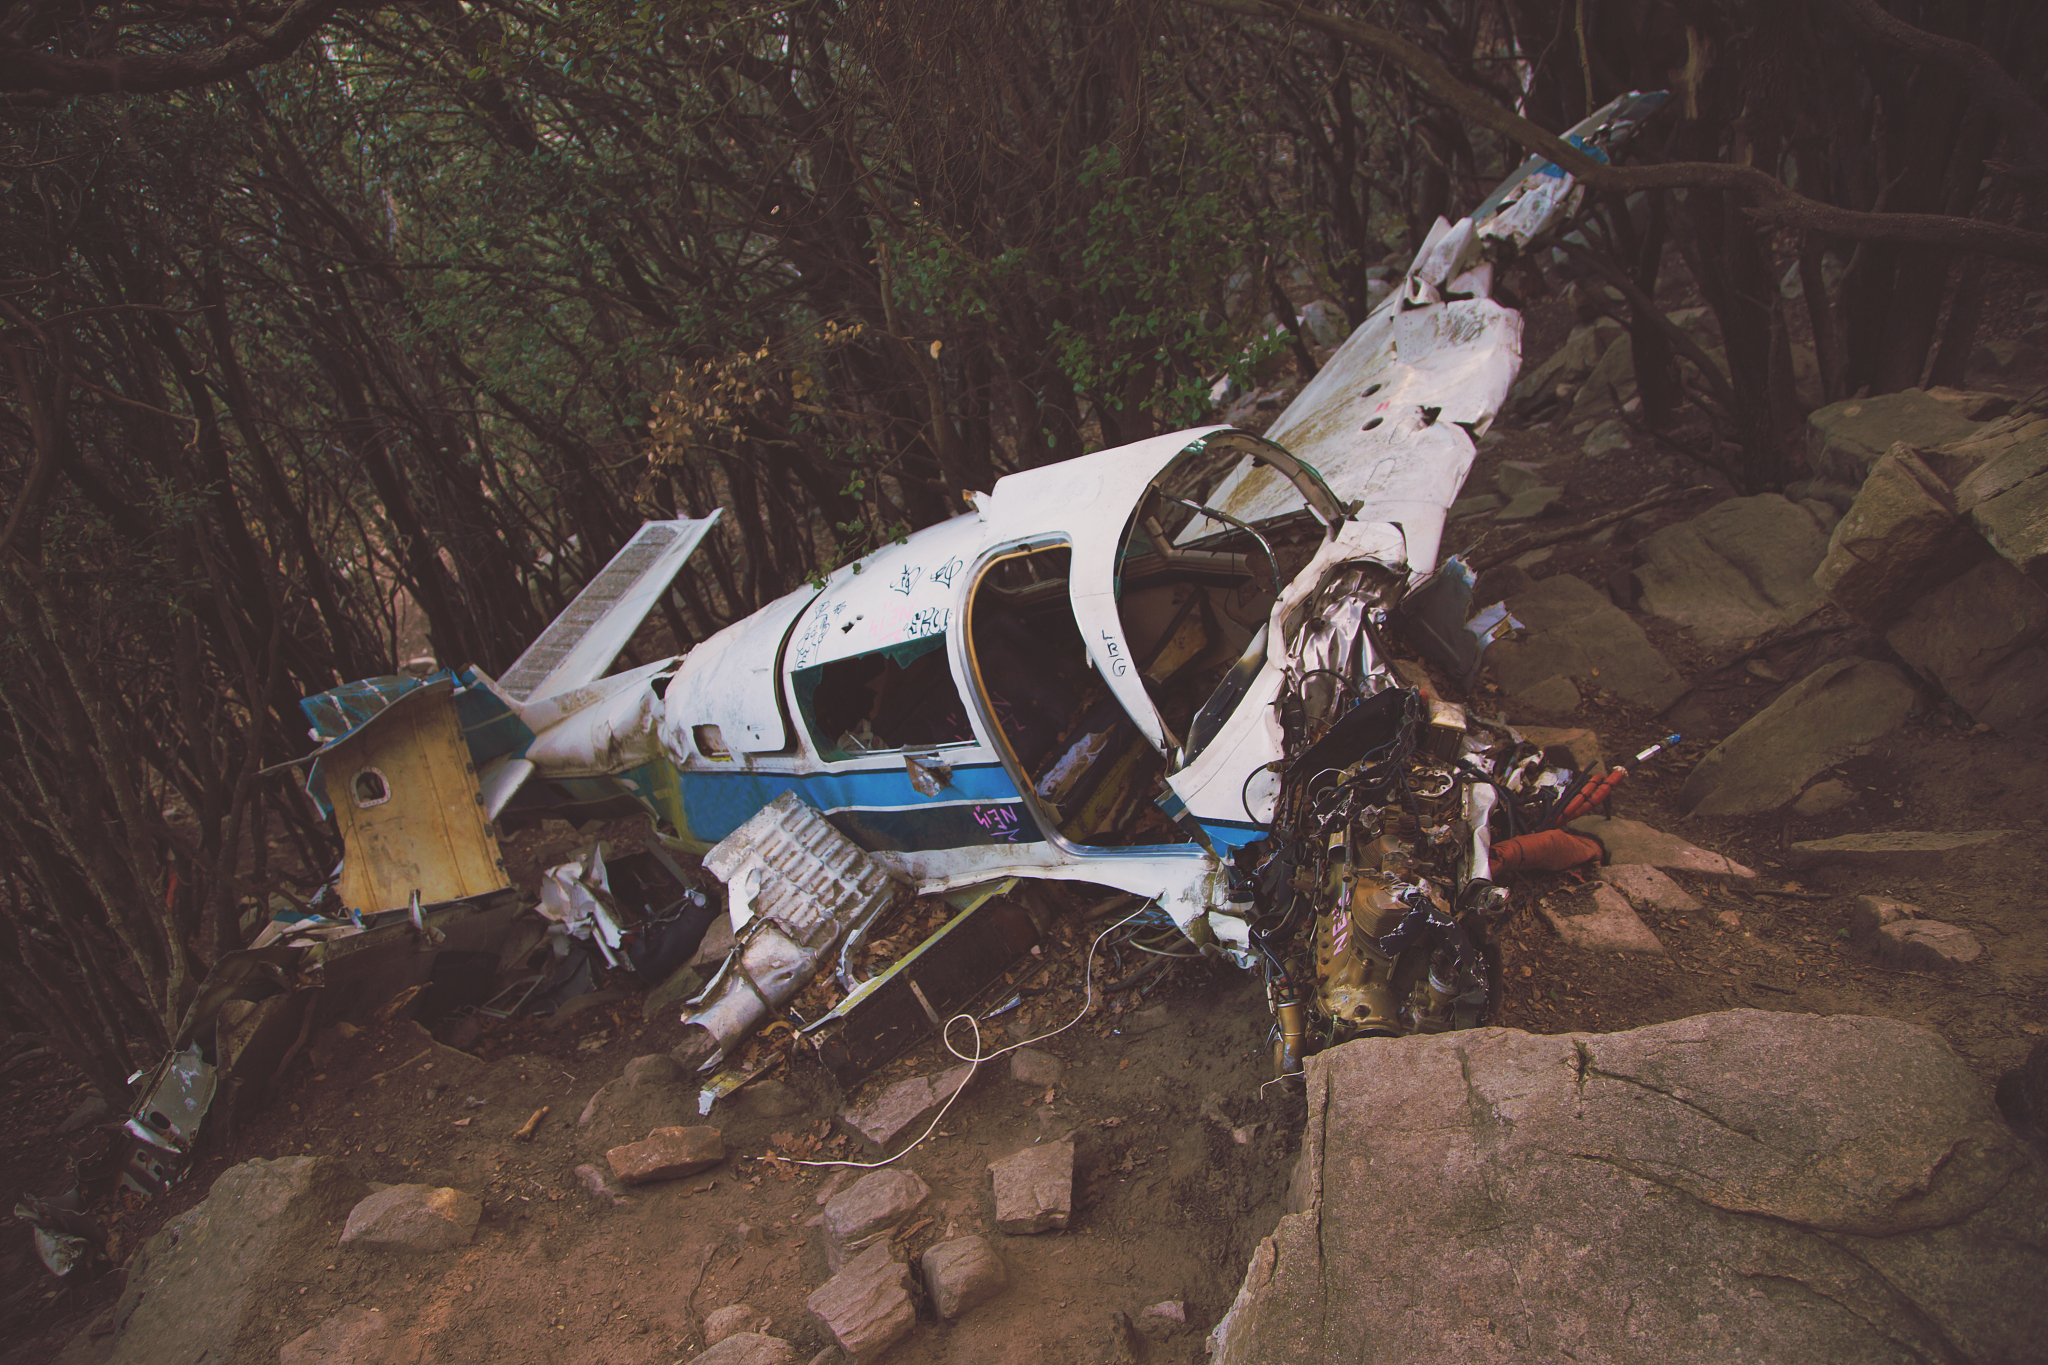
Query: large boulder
{"type": "Point", "coordinates": [1983, 639]}
{"type": "Point", "coordinates": [1899, 538]}
{"type": "Point", "coordinates": [2006, 499]}
{"type": "Point", "coordinates": [2026, 424]}
{"type": "Point", "coordinates": [1757, 1186]}
{"type": "Point", "coordinates": [1834, 713]}
{"type": "Point", "coordinates": [1845, 439]}
{"type": "Point", "coordinates": [1575, 631]}
{"type": "Point", "coordinates": [1737, 570]}
{"type": "Point", "coordinates": [209, 1277]}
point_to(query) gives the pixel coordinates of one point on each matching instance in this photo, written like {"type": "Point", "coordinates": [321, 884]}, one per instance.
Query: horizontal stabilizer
{"type": "Point", "coordinates": [584, 640]}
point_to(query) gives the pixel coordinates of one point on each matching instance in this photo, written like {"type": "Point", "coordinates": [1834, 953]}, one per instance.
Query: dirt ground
{"type": "Point", "coordinates": [1185, 1144]}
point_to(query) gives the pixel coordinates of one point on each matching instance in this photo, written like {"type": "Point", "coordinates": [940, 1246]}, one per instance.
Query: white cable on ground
{"type": "Point", "coordinates": [1088, 1003]}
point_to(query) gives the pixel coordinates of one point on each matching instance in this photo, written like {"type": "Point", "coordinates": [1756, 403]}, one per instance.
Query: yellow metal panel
{"type": "Point", "coordinates": [429, 833]}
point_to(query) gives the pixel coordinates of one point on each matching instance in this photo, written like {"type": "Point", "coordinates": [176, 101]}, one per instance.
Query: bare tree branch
{"type": "Point", "coordinates": [2026, 120]}
{"type": "Point", "coordinates": [31, 76]}
{"type": "Point", "coordinates": [1769, 199]}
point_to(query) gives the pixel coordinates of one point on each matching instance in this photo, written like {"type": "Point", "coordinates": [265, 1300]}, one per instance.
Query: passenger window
{"type": "Point", "coordinates": [898, 698]}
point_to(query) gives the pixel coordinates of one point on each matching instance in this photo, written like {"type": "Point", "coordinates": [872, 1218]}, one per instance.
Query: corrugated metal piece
{"type": "Point", "coordinates": [813, 880]}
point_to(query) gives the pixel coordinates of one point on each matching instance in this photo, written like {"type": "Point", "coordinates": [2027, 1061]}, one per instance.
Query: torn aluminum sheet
{"type": "Point", "coordinates": [797, 889]}
{"type": "Point", "coordinates": [166, 1123]}
{"type": "Point", "coordinates": [577, 896]}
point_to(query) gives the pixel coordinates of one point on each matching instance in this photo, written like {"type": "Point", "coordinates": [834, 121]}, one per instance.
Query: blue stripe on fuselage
{"type": "Point", "coordinates": [879, 808]}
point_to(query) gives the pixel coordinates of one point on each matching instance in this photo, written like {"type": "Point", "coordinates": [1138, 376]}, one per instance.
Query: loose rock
{"type": "Point", "coordinates": [866, 1307]}
{"type": "Point", "coordinates": [599, 1185]}
{"type": "Point", "coordinates": [1035, 1188]}
{"type": "Point", "coordinates": [1872, 913]}
{"type": "Point", "coordinates": [1649, 888]}
{"type": "Point", "coordinates": [1834, 713]}
{"type": "Point", "coordinates": [1927, 945]}
{"type": "Point", "coordinates": [1532, 504]}
{"type": "Point", "coordinates": [1475, 505]}
{"type": "Point", "coordinates": [749, 1348]}
{"type": "Point", "coordinates": [1631, 841]}
{"type": "Point", "coordinates": [871, 1207]}
{"type": "Point", "coordinates": [1610, 435]}
{"type": "Point", "coordinates": [413, 1218]}
{"type": "Point", "coordinates": [667, 1154]}
{"type": "Point", "coordinates": [1325, 322]}
{"type": "Point", "coordinates": [1516, 477]}
{"type": "Point", "coordinates": [625, 1109]}
{"type": "Point", "coordinates": [1611, 383]}
{"type": "Point", "coordinates": [1904, 852]}
{"type": "Point", "coordinates": [962, 1273]}
{"type": "Point", "coordinates": [1571, 362]}
{"type": "Point", "coordinates": [732, 1320]}
{"type": "Point", "coordinates": [903, 1104]}
{"type": "Point", "coordinates": [1609, 924]}
{"type": "Point", "coordinates": [1164, 1321]}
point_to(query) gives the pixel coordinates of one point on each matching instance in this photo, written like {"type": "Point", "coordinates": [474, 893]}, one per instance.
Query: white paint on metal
{"type": "Point", "coordinates": [732, 681]}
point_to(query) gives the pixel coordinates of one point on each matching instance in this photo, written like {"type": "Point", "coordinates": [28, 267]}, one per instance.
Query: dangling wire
{"type": "Point", "coordinates": [978, 1056]}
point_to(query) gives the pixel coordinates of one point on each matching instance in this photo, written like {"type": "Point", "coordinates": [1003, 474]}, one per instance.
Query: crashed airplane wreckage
{"type": "Point", "coordinates": [1161, 668]}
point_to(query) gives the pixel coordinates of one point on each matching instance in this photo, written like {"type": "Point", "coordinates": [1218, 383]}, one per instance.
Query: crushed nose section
{"type": "Point", "coordinates": [797, 888]}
